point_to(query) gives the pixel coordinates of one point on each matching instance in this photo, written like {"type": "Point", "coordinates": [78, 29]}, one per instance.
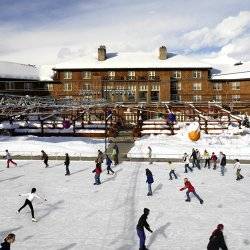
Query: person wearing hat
{"type": "Point", "coordinates": [140, 228]}
{"type": "Point", "coordinates": [216, 240]}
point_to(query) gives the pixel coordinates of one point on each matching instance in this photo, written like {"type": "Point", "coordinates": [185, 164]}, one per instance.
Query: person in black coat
{"type": "Point", "coordinates": [140, 228]}
{"type": "Point", "coordinates": [150, 180]}
{"type": "Point", "coordinates": [66, 163]}
{"type": "Point", "coordinates": [216, 240]}
{"type": "Point", "coordinates": [8, 241]}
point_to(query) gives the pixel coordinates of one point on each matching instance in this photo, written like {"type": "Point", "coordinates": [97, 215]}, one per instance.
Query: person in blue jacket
{"type": "Point", "coordinates": [149, 180]}
{"type": "Point", "coordinates": [108, 163]}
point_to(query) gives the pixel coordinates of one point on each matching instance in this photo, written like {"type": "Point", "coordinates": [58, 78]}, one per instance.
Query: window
{"type": "Point", "coordinates": [132, 87]}
{"type": "Point", "coordinates": [155, 87]}
{"type": "Point", "coordinates": [50, 87]}
{"type": "Point", "coordinates": [151, 75]}
{"type": "Point", "coordinates": [9, 85]}
{"type": "Point", "coordinates": [235, 98]}
{"type": "Point", "coordinates": [217, 86]}
{"type": "Point", "coordinates": [111, 75]}
{"type": "Point", "coordinates": [87, 86]}
{"type": "Point", "coordinates": [131, 75]}
{"type": "Point", "coordinates": [67, 86]}
{"type": "Point", "coordinates": [197, 98]}
{"type": "Point", "coordinates": [143, 96]}
{"type": "Point", "coordinates": [143, 88]}
{"type": "Point", "coordinates": [176, 74]}
{"type": "Point", "coordinates": [235, 85]}
{"type": "Point", "coordinates": [86, 75]}
{"type": "Point", "coordinates": [197, 86]}
{"type": "Point", "coordinates": [217, 98]}
{"type": "Point", "coordinates": [67, 75]}
{"type": "Point", "coordinates": [27, 85]}
{"type": "Point", "coordinates": [197, 74]}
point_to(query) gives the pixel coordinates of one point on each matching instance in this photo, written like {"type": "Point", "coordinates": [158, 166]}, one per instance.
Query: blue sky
{"type": "Point", "coordinates": [47, 31]}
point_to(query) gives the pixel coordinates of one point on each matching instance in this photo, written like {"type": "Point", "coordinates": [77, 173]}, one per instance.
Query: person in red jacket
{"type": "Point", "coordinates": [97, 171]}
{"type": "Point", "coordinates": [190, 189]}
{"type": "Point", "coordinates": [214, 160]}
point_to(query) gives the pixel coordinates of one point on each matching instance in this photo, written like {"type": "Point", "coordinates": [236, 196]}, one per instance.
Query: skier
{"type": "Point", "coordinates": [186, 162]}
{"type": "Point", "coordinates": [149, 180]}
{"type": "Point", "coordinates": [194, 158]}
{"type": "Point", "coordinates": [238, 169]}
{"type": "Point", "coordinates": [66, 163]}
{"type": "Point", "coordinates": [45, 158]}
{"type": "Point", "coordinates": [140, 228]}
{"type": "Point", "coordinates": [206, 156]}
{"type": "Point", "coordinates": [214, 160]}
{"type": "Point", "coordinates": [116, 156]}
{"type": "Point", "coordinates": [8, 240]}
{"type": "Point", "coordinates": [172, 171]}
{"type": "Point", "coordinates": [108, 163]}
{"type": "Point", "coordinates": [191, 189]}
{"type": "Point", "coordinates": [216, 240]}
{"type": "Point", "coordinates": [9, 159]}
{"type": "Point", "coordinates": [30, 197]}
{"type": "Point", "coordinates": [100, 157]}
{"type": "Point", "coordinates": [97, 171]}
{"type": "Point", "coordinates": [150, 155]}
{"type": "Point", "coordinates": [223, 162]}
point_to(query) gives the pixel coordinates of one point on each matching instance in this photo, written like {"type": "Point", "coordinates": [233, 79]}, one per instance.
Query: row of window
{"type": "Point", "coordinates": [198, 98]}
{"type": "Point", "coordinates": [131, 74]}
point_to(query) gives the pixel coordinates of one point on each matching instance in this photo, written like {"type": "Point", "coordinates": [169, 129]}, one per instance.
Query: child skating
{"type": "Point", "coordinates": [214, 160]}
{"type": "Point", "coordinates": [45, 158]}
{"type": "Point", "coordinates": [9, 159]}
{"type": "Point", "coordinates": [97, 171]}
{"type": "Point", "coordinates": [30, 197]}
{"type": "Point", "coordinates": [191, 189]}
{"type": "Point", "coordinates": [238, 169]}
{"type": "Point", "coordinates": [108, 163]}
{"type": "Point", "coordinates": [149, 180]}
{"type": "Point", "coordinates": [186, 163]}
{"type": "Point", "coordinates": [172, 171]}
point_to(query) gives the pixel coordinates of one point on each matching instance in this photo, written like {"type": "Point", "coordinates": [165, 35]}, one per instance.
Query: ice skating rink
{"type": "Point", "coordinates": [81, 216]}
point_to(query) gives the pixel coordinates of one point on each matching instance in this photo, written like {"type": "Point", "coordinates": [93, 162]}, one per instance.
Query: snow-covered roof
{"type": "Point", "coordinates": [18, 71]}
{"type": "Point", "coordinates": [132, 60]}
{"type": "Point", "coordinates": [231, 72]}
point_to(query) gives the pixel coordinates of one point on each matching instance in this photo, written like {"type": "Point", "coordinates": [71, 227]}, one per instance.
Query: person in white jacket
{"type": "Point", "coordinates": [238, 169]}
{"type": "Point", "coordinates": [172, 171]}
{"type": "Point", "coordinates": [30, 197]}
{"type": "Point", "coordinates": [186, 162]}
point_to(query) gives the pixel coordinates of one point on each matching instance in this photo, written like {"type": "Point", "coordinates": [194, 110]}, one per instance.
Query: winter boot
{"type": "Point", "coordinates": [187, 200]}
{"type": "Point", "coordinates": [201, 201]}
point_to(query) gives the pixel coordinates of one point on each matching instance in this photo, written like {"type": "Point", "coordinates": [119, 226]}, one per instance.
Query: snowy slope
{"type": "Point", "coordinates": [79, 215]}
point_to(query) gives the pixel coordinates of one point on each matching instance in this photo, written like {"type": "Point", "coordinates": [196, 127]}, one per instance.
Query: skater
{"type": "Point", "coordinates": [191, 189]}
{"type": "Point", "coordinates": [8, 240]}
{"type": "Point", "coordinates": [116, 155]}
{"type": "Point", "coordinates": [108, 163]}
{"type": "Point", "coordinates": [238, 169]}
{"type": "Point", "coordinates": [194, 158]}
{"type": "Point", "coordinates": [186, 162]}
{"type": "Point", "coordinates": [140, 228]}
{"type": "Point", "coordinates": [45, 158]}
{"type": "Point", "coordinates": [214, 160]}
{"type": "Point", "coordinates": [9, 159]}
{"type": "Point", "coordinates": [223, 162]}
{"type": "Point", "coordinates": [30, 197]}
{"type": "Point", "coordinates": [66, 163]}
{"type": "Point", "coordinates": [100, 157]}
{"type": "Point", "coordinates": [198, 159]}
{"type": "Point", "coordinates": [97, 171]}
{"type": "Point", "coordinates": [206, 156]}
{"type": "Point", "coordinates": [172, 171]}
{"type": "Point", "coordinates": [216, 240]}
{"type": "Point", "coordinates": [150, 155]}
{"type": "Point", "coordinates": [149, 180]}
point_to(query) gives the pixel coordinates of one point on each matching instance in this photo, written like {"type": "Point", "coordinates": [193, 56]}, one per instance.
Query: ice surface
{"type": "Point", "coordinates": [79, 215]}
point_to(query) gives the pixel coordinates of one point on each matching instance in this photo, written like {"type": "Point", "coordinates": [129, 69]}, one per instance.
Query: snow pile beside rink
{"type": "Point", "coordinates": [56, 146]}
{"type": "Point", "coordinates": [234, 142]}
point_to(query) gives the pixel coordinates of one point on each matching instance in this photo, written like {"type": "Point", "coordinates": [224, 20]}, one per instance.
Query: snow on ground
{"type": "Point", "coordinates": [32, 145]}
{"type": "Point", "coordinates": [232, 144]}
{"type": "Point", "coordinates": [79, 215]}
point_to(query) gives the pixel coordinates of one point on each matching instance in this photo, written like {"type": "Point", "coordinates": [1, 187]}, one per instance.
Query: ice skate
{"type": "Point", "coordinates": [187, 200]}
{"type": "Point", "coordinates": [34, 220]}
{"type": "Point", "coordinates": [201, 201]}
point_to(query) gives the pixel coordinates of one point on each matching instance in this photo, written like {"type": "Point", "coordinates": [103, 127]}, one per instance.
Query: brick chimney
{"type": "Point", "coordinates": [102, 53]}
{"type": "Point", "coordinates": [163, 54]}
